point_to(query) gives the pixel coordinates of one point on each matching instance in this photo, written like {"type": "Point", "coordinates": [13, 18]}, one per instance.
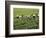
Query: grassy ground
{"type": "Point", "coordinates": [24, 22]}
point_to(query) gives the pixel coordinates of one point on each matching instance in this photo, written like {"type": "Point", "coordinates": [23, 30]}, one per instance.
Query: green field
{"type": "Point", "coordinates": [25, 18]}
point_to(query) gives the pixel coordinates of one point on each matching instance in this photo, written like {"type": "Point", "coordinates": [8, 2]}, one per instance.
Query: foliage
{"type": "Point", "coordinates": [29, 18]}
{"type": "Point", "coordinates": [26, 22]}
